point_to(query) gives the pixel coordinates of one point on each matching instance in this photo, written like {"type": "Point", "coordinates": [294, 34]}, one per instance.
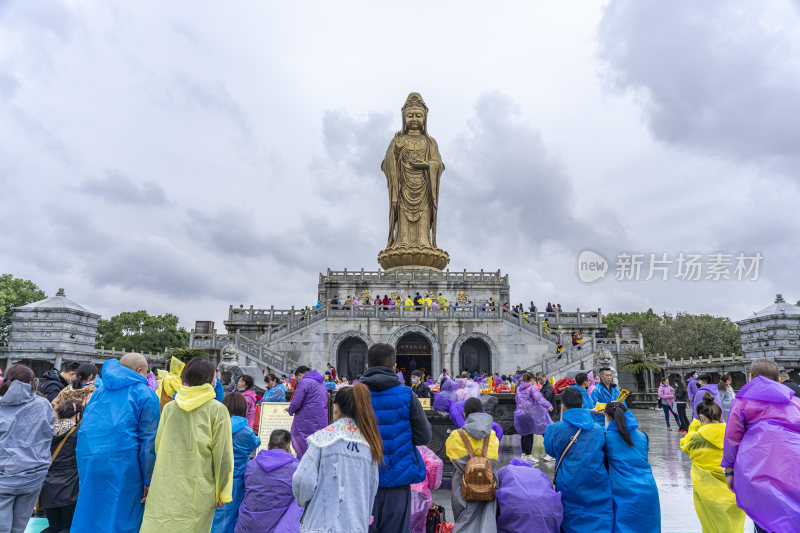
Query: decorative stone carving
{"type": "Point", "coordinates": [413, 168]}
{"type": "Point", "coordinates": [604, 357]}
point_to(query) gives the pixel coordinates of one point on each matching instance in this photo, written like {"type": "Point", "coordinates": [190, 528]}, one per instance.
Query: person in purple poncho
{"type": "Point", "coordinates": [531, 417]}
{"type": "Point", "coordinates": [446, 395]}
{"type": "Point", "coordinates": [705, 386]}
{"type": "Point", "coordinates": [761, 455]}
{"type": "Point", "coordinates": [309, 406]}
{"type": "Point", "coordinates": [269, 504]}
{"type": "Point", "coordinates": [526, 500]}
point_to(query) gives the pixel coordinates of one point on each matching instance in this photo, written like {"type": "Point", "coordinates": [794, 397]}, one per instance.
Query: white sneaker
{"type": "Point", "coordinates": [549, 459]}
{"type": "Point", "coordinates": [530, 458]}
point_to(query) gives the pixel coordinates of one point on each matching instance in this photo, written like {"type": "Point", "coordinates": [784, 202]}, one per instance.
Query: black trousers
{"type": "Point", "coordinates": [681, 407]}
{"type": "Point", "coordinates": [392, 510]}
{"type": "Point", "coordinates": [527, 444]}
{"type": "Point", "coordinates": [60, 518]}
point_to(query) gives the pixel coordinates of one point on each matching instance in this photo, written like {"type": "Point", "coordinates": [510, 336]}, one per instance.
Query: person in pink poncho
{"type": "Point", "coordinates": [761, 454]}
{"type": "Point", "coordinates": [467, 388]}
{"type": "Point", "coordinates": [245, 387]}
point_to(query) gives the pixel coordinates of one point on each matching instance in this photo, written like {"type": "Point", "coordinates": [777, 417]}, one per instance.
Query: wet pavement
{"type": "Point", "coordinates": [670, 468]}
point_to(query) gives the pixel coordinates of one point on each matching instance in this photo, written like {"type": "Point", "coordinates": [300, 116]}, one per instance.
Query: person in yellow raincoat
{"type": "Point", "coordinates": [194, 458]}
{"type": "Point", "coordinates": [714, 503]}
{"type": "Point", "coordinates": [409, 305]}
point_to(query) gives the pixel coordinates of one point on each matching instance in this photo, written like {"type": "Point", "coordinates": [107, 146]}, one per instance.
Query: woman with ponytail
{"type": "Point", "coordinates": [342, 459]}
{"type": "Point", "coordinates": [80, 389]}
{"type": "Point", "coordinates": [714, 503]}
{"type": "Point", "coordinates": [636, 506]}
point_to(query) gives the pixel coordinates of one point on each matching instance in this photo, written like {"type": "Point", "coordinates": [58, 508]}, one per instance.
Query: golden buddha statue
{"type": "Point", "coordinates": [413, 168]}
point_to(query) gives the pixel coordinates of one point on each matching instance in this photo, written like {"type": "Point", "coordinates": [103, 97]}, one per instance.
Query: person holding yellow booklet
{"type": "Point", "coordinates": [714, 503]}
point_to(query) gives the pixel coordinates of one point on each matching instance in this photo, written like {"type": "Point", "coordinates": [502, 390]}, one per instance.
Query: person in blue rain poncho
{"type": "Point", "coordinates": [636, 506]}
{"type": "Point", "coordinates": [582, 383]}
{"type": "Point", "coordinates": [116, 449]}
{"type": "Point", "coordinates": [604, 392]}
{"type": "Point", "coordinates": [245, 442]}
{"type": "Point", "coordinates": [582, 477]}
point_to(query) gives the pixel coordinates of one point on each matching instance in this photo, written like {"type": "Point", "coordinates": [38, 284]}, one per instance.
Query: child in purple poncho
{"type": "Point", "coordinates": [526, 500]}
{"type": "Point", "coordinates": [761, 455]}
{"type": "Point", "coordinates": [269, 505]}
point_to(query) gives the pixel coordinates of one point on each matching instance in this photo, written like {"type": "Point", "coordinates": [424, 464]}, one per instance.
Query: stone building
{"type": "Point", "coordinates": [773, 333]}
{"type": "Point", "coordinates": [468, 333]}
{"type": "Point", "coordinates": [51, 332]}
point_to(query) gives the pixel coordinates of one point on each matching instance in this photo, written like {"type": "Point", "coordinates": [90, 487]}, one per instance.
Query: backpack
{"type": "Point", "coordinates": [478, 484]}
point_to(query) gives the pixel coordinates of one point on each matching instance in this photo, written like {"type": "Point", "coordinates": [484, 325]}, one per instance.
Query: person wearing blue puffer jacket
{"type": "Point", "coordinates": [403, 426]}
{"type": "Point", "coordinates": [581, 476]}
{"type": "Point", "coordinates": [636, 506]}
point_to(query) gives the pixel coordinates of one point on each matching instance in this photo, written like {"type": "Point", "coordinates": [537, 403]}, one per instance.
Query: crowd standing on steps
{"type": "Point", "coordinates": [107, 450]}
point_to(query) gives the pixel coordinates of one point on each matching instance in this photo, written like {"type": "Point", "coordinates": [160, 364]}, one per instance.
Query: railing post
{"type": "Point", "coordinates": [599, 316]}
{"type": "Point", "coordinates": [641, 342]}
{"type": "Point", "coordinates": [616, 338]}
{"type": "Point", "coordinates": [271, 313]}
{"type": "Point", "coordinates": [578, 314]}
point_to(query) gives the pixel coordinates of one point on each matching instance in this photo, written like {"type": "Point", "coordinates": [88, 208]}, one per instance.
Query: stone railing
{"type": "Point", "coordinates": [250, 348]}
{"type": "Point", "coordinates": [573, 320]}
{"type": "Point", "coordinates": [414, 275]}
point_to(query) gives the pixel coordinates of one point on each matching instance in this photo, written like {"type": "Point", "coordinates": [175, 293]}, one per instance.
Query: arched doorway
{"type": "Point", "coordinates": [413, 353]}
{"type": "Point", "coordinates": [352, 358]}
{"type": "Point", "coordinates": [475, 356]}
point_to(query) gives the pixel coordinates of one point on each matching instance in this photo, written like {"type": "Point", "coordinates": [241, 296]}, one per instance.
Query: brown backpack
{"type": "Point", "coordinates": [478, 482]}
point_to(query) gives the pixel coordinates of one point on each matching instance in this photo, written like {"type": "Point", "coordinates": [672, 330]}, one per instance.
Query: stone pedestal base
{"type": "Point", "coordinates": [405, 256]}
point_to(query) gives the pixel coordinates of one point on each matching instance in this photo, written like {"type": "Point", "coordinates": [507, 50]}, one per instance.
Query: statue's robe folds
{"type": "Point", "coordinates": [393, 168]}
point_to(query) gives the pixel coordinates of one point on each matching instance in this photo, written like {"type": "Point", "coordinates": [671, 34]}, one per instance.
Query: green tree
{"type": "Point", "coordinates": [138, 331]}
{"type": "Point", "coordinates": [186, 354]}
{"type": "Point", "coordinates": [681, 336]}
{"type": "Point", "coordinates": [15, 292]}
{"type": "Point", "coordinates": [637, 362]}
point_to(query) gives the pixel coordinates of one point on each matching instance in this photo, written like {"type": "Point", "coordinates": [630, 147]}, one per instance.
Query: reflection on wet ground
{"type": "Point", "coordinates": [670, 468]}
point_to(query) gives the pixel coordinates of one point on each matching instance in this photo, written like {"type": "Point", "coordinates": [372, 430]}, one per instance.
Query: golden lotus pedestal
{"type": "Point", "coordinates": [413, 256]}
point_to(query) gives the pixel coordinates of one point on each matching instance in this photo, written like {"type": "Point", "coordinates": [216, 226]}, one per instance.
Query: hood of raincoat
{"type": "Point", "coordinates": [378, 378]}
{"type": "Point", "coordinates": [270, 460]}
{"type": "Point", "coordinates": [116, 376]}
{"type": "Point", "coordinates": [250, 393]}
{"type": "Point", "coordinates": [713, 433]}
{"type": "Point", "coordinates": [478, 425]}
{"type": "Point", "coordinates": [525, 385]}
{"type": "Point", "coordinates": [316, 376]}
{"type": "Point", "coordinates": [764, 390]}
{"type": "Point", "coordinates": [711, 388]}
{"type": "Point", "coordinates": [18, 393]}
{"type": "Point", "coordinates": [189, 398]}
{"type": "Point", "coordinates": [237, 423]}
{"type": "Point", "coordinates": [579, 418]}
{"type": "Point", "coordinates": [630, 422]}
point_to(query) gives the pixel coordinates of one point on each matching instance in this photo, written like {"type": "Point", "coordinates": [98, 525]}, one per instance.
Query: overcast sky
{"type": "Point", "coordinates": [183, 156]}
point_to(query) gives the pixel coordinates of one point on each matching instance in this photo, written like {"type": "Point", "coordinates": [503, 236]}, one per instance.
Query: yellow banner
{"type": "Point", "coordinates": [426, 403]}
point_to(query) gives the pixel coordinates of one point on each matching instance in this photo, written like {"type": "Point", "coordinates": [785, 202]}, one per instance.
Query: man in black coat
{"type": "Point", "coordinates": [786, 380]}
{"type": "Point", "coordinates": [419, 388]}
{"type": "Point", "coordinates": [547, 391]}
{"type": "Point", "coordinates": [54, 381]}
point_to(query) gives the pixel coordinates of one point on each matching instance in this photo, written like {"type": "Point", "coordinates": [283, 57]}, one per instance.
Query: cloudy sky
{"type": "Point", "coordinates": [183, 156]}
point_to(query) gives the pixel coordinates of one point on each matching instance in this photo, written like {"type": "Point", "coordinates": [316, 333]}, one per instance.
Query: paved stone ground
{"type": "Point", "coordinates": [670, 468]}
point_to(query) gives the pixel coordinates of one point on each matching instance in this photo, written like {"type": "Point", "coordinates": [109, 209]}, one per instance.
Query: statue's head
{"type": "Point", "coordinates": [415, 114]}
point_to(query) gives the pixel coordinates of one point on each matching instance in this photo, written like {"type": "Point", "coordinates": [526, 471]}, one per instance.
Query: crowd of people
{"type": "Point", "coordinates": [112, 451]}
